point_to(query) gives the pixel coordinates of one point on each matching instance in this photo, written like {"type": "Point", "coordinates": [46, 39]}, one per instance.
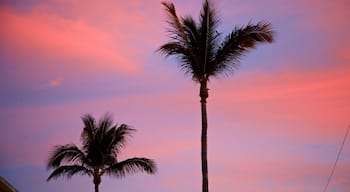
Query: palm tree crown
{"type": "Point", "coordinates": [204, 53]}
{"type": "Point", "coordinates": [101, 144]}
{"type": "Point", "coordinates": [198, 46]}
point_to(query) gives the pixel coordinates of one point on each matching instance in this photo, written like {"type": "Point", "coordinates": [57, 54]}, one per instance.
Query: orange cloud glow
{"type": "Point", "coordinates": [52, 36]}
{"type": "Point", "coordinates": [316, 100]}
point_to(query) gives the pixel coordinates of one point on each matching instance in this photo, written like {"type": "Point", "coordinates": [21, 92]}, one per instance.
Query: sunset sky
{"type": "Point", "coordinates": [275, 125]}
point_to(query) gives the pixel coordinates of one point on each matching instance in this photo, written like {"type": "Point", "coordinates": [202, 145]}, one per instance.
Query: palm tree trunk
{"type": "Point", "coordinates": [96, 187]}
{"type": "Point", "coordinates": [97, 181]}
{"type": "Point", "coordinates": [204, 95]}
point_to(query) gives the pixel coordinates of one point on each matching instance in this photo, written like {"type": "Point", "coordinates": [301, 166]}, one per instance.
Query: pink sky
{"type": "Point", "coordinates": [275, 125]}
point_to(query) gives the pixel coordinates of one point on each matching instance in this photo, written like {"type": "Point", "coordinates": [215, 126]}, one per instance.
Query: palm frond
{"type": "Point", "coordinates": [173, 48]}
{"type": "Point", "coordinates": [111, 138]}
{"type": "Point", "coordinates": [69, 171]}
{"type": "Point", "coordinates": [120, 137]}
{"type": "Point", "coordinates": [252, 34]}
{"type": "Point", "coordinates": [187, 60]}
{"type": "Point", "coordinates": [107, 141]}
{"type": "Point", "coordinates": [208, 33]}
{"type": "Point", "coordinates": [104, 125]}
{"type": "Point", "coordinates": [192, 64]}
{"type": "Point", "coordinates": [191, 30]}
{"type": "Point", "coordinates": [89, 130]}
{"type": "Point", "coordinates": [132, 165]}
{"type": "Point", "coordinates": [181, 41]}
{"type": "Point", "coordinates": [208, 17]}
{"type": "Point", "coordinates": [176, 30]}
{"type": "Point", "coordinates": [66, 153]}
{"type": "Point", "coordinates": [237, 43]}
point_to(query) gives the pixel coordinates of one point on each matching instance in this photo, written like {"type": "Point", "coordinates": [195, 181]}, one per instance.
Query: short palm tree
{"type": "Point", "coordinates": [101, 144]}
{"type": "Point", "coordinates": [203, 53]}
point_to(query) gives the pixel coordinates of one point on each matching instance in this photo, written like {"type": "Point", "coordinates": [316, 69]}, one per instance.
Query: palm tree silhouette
{"type": "Point", "coordinates": [101, 144]}
{"type": "Point", "coordinates": [203, 54]}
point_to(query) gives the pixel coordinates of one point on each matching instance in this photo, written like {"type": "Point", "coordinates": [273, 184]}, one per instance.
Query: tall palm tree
{"type": "Point", "coordinates": [101, 144]}
{"type": "Point", "coordinates": [203, 53]}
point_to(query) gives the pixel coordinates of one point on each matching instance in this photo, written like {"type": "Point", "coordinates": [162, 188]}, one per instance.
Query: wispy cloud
{"type": "Point", "coordinates": [44, 35]}
{"type": "Point", "coordinates": [54, 83]}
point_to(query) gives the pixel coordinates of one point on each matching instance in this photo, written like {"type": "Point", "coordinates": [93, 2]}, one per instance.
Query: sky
{"type": "Point", "coordinates": [276, 124]}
